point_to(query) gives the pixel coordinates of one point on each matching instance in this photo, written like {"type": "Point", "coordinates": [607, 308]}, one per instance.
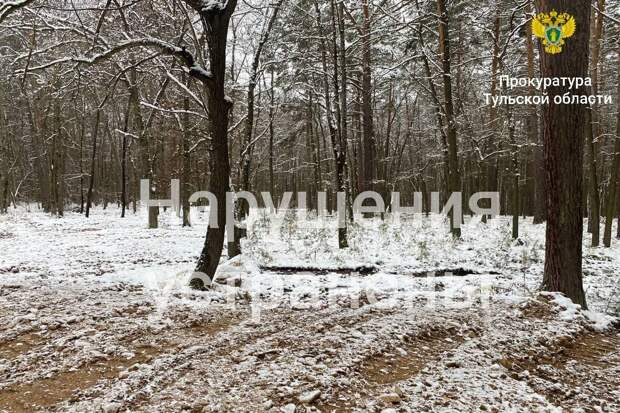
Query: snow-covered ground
{"type": "Point", "coordinates": [96, 315]}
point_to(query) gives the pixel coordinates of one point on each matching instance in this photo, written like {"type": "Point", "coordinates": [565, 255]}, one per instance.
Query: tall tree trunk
{"type": "Point", "coordinates": [515, 176]}
{"type": "Point", "coordinates": [614, 179]}
{"type": "Point", "coordinates": [242, 208]}
{"type": "Point", "coordinates": [186, 162]}
{"type": "Point", "coordinates": [594, 222]}
{"type": "Point", "coordinates": [339, 154]}
{"type": "Point", "coordinates": [313, 150]}
{"type": "Point", "coordinates": [272, 186]}
{"type": "Point", "coordinates": [494, 121]}
{"type": "Point", "coordinates": [57, 165]}
{"type": "Point", "coordinates": [82, 132]}
{"type": "Point", "coordinates": [437, 109]}
{"type": "Point", "coordinates": [618, 208]}
{"type": "Point", "coordinates": [140, 129]}
{"type": "Point", "coordinates": [535, 138]}
{"type": "Point", "coordinates": [93, 157]}
{"type": "Point", "coordinates": [4, 201]}
{"type": "Point", "coordinates": [369, 146]}
{"type": "Point", "coordinates": [344, 136]}
{"type": "Point", "coordinates": [592, 133]}
{"type": "Point", "coordinates": [124, 160]}
{"type": "Point", "coordinates": [216, 29]}
{"type": "Point", "coordinates": [454, 179]}
{"type": "Point", "coordinates": [563, 137]}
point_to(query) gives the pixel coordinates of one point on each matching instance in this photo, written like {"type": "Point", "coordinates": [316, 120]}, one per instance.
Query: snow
{"type": "Point", "coordinates": [201, 71]}
{"type": "Point", "coordinates": [212, 5]}
{"type": "Point", "coordinates": [105, 291]}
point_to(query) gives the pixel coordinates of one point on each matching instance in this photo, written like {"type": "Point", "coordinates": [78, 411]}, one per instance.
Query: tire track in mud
{"type": "Point", "coordinates": [290, 337]}
{"type": "Point", "coordinates": [574, 371]}
{"type": "Point", "coordinates": [379, 374]}
{"type": "Point", "coordinates": [67, 385]}
{"type": "Point", "coordinates": [23, 343]}
{"type": "Point", "coordinates": [278, 332]}
{"type": "Point", "coordinates": [28, 351]}
{"type": "Point", "coordinates": [45, 393]}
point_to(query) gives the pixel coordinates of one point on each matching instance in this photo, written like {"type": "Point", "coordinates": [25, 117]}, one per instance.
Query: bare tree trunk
{"type": "Point", "coordinates": [339, 153]}
{"type": "Point", "coordinates": [437, 109]}
{"type": "Point", "coordinates": [93, 157]}
{"type": "Point", "coordinates": [272, 187]}
{"type": "Point", "coordinates": [594, 223]}
{"type": "Point", "coordinates": [369, 146]}
{"type": "Point", "coordinates": [82, 131]}
{"type": "Point", "coordinates": [56, 160]}
{"type": "Point", "coordinates": [4, 168]}
{"type": "Point", "coordinates": [563, 129]}
{"type": "Point", "coordinates": [515, 176]}
{"type": "Point", "coordinates": [344, 136]}
{"type": "Point", "coordinates": [139, 128]}
{"type": "Point", "coordinates": [491, 167]}
{"type": "Point", "coordinates": [534, 137]}
{"type": "Point", "coordinates": [216, 29]}
{"type": "Point", "coordinates": [312, 149]}
{"type": "Point", "coordinates": [186, 163]}
{"type": "Point", "coordinates": [618, 209]}
{"type": "Point", "coordinates": [4, 205]}
{"type": "Point", "coordinates": [614, 179]}
{"type": "Point", "coordinates": [454, 179]}
{"type": "Point", "coordinates": [124, 160]}
{"type": "Point", "coordinates": [592, 133]}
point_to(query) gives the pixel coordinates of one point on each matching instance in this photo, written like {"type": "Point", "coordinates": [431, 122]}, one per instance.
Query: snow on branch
{"type": "Point", "coordinates": [194, 69]}
{"type": "Point", "coordinates": [8, 7]}
{"type": "Point", "coordinates": [207, 7]}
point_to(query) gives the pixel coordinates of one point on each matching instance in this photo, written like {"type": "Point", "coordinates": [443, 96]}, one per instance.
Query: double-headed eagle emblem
{"type": "Point", "coordinates": [553, 28]}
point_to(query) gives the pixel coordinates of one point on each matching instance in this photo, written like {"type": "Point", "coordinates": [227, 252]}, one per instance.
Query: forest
{"type": "Point", "coordinates": [493, 126]}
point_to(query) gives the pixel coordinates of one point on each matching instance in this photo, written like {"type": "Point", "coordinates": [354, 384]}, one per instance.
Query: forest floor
{"type": "Point", "coordinates": [96, 316]}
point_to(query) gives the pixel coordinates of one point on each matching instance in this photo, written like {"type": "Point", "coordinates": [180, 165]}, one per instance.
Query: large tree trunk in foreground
{"type": "Point", "coordinates": [216, 28]}
{"type": "Point", "coordinates": [563, 145]}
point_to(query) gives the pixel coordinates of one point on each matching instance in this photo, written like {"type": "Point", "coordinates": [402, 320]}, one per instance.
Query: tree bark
{"type": "Point", "coordinates": [272, 186]}
{"type": "Point", "coordinates": [124, 160]}
{"type": "Point", "coordinates": [437, 109]}
{"type": "Point", "coordinates": [339, 153]}
{"type": "Point", "coordinates": [454, 180]}
{"type": "Point", "coordinates": [594, 222]}
{"type": "Point", "coordinates": [592, 133]}
{"type": "Point", "coordinates": [494, 124]}
{"type": "Point", "coordinates": [563, 150]}
{"type": "Point", "coordinates": [369, 146]}
{"type": "Point", "coordinates": [614, 179]}
{"type": "Point", "coordinates": [216, 30]}
{"type": "Point", "coordinates": [93, 157]}
{"type": "Point", "coordinates": [186, 162]}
